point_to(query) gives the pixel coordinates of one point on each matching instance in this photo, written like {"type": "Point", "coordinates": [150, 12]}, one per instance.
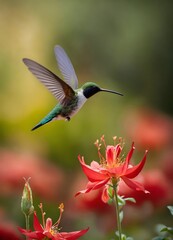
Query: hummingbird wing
{"type": "Point", "coordinates": [66, 67]}
{"type": "Point", "coordinates": [61, 90]}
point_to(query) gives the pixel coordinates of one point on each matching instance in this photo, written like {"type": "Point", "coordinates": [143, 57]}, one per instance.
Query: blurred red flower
{"type": "Point", "coordinates": [50, 231]}
{"type": "Point", "coordinates": [166, 164]}
{"type": "Point", "coordinates": [87, 203]}
{"type": "Point", "coordinates": [8, 229]}
{"type": "Point", "coordinates": [111, 168]}
{"type": "Point", "coordinates": [156, 183]}
{"type": "Point", "coordinates": [148, 128]}
{"type": "Point", "coordinates": [15, 166]}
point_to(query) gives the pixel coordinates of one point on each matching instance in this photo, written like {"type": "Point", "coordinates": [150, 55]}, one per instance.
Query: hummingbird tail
{"type": "Point", "coordinates": [37, 126]}
{"type": "Point", "coordinates": [40, 124]}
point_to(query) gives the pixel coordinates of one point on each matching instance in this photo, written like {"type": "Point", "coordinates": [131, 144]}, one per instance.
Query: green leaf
{"type": "Point", "coordinates": [164, 229]}
{"type": "Point", "coordinates": [170, 209]}
{"type": "Point", "coordinates": [130, 199]}
{"type": "Point", "coordinates": [110, 192]}
{"type": "Point", "coordinates": [121, 201]}
{"type": "Point", "coordinates": [167, 229]}
{"type": "Point", "coordinates": [121, 216]}
{"type": "Point", "coordinates": [110, 201]}
{"type": "Point", "coordinates": [123, 236]}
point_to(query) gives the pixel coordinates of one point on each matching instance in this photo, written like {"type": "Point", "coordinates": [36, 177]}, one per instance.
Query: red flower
{"type": "Point", "coordinates": [42, 173]}
{"type": "Point", "coordinates": [158, 185]}
{"type": "Point", "coordinates": [111, 169]}
{"type": "Point", "coordinates": [149, 128]}
{"type": "Point", "coordinates": [8, 231]}
{"type": "Point", "coordinates": [47, 230]}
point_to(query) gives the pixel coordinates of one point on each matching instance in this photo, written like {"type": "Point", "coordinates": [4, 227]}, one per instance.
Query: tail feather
{"type": "Point", "coordinates": [37, 126]}
{"type": "Point", "coordinates": [49, 117]}
{"type": "Point", "coordinates": [40, 124]}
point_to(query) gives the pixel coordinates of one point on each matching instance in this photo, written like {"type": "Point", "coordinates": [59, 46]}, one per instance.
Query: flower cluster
{"type": "Point", "coordinates": [107, 175]}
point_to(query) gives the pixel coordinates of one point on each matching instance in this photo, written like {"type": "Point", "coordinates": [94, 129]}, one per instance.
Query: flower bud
{"type": "Point", "coordinates": [27, 201]}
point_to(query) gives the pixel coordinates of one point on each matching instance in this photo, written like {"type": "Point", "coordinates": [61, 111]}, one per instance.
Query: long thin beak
{"type": "Point", "coordinates": [111, 91]}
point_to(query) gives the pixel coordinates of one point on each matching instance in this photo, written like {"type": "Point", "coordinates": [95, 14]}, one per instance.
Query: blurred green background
{"type": "Point", "coordinates": [120, 45]}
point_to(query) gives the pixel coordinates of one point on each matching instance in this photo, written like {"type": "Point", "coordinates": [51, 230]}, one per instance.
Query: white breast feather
{"type": "Point", "coordinates": [81, 101]}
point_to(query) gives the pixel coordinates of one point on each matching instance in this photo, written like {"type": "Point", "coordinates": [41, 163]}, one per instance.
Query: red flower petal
{"type": "Point", "coordinates": [98, 184]}
{"type": "Point", "coordinates": [95, 165]}
{"type": "Point", "coordinates": [48, 225]}
{"type": "Point", "coordinates": [134, 171]}
{"type": "Point", "coordinates": [32, 235]}
{"type": "Point", "coordinates": [118, 150]}
{"type": "Point", "coordinates": [105, 197]}
{"type": "Point", "coordinates": [93, 186]}
{"type": "Point", "coordinates": [134, 185]}
{"type": "Point", "coordinates": [92, 174]}
{"type": "Point", "coordinates": [37, 226]}
{"type": "Point", "coordinates": [71, 235]}
{"type": "Point", "coordinates": [129, 156]}
{"type": "Point", "coordinates": [110, 155]}
{"type": "Point", "coordinates": [47, 229]}
{"type": "Point", "coordinates": [112, 152]}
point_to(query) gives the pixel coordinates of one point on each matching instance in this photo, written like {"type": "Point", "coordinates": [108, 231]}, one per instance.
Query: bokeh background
{"type": "Point", "coordinates": [120, 45]}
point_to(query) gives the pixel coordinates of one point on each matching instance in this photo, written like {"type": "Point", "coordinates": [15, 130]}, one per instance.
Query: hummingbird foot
{"type": "Point", "coordinates": [68, 118]}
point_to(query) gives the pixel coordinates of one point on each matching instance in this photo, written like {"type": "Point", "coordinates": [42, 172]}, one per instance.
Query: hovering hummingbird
{"type": "Point", "coordinates": [70, 97]}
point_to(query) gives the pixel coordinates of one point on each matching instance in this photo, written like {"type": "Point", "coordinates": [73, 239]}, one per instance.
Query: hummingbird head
{"type": "Point", "coordinates": [90, 88]}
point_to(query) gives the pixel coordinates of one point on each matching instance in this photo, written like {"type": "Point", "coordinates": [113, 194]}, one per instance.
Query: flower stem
{"type": "Point", "coordinates": [117, 208]}
{"type": "Point", "coordinates": [27, 223]}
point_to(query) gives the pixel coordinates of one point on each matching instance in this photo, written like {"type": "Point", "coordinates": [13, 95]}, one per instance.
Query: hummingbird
{"type": "Point", "coordinates": [70, 97]}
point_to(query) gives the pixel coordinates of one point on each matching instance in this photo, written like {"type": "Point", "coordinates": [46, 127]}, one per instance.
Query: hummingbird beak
{"type": "Point", "coordinates": [110, 91]}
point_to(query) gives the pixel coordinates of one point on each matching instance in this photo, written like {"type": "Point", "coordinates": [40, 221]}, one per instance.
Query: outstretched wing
{"type": "Point", "coordinates": [54, 84]}
{"type": "Point", "coordinates": [66, 67]}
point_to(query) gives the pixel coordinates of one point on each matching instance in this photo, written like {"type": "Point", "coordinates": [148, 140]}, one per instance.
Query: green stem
{"type": "Point", "coordinates": [27, 223]}
{"type": "Point", "coordinates": [117, 211]}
